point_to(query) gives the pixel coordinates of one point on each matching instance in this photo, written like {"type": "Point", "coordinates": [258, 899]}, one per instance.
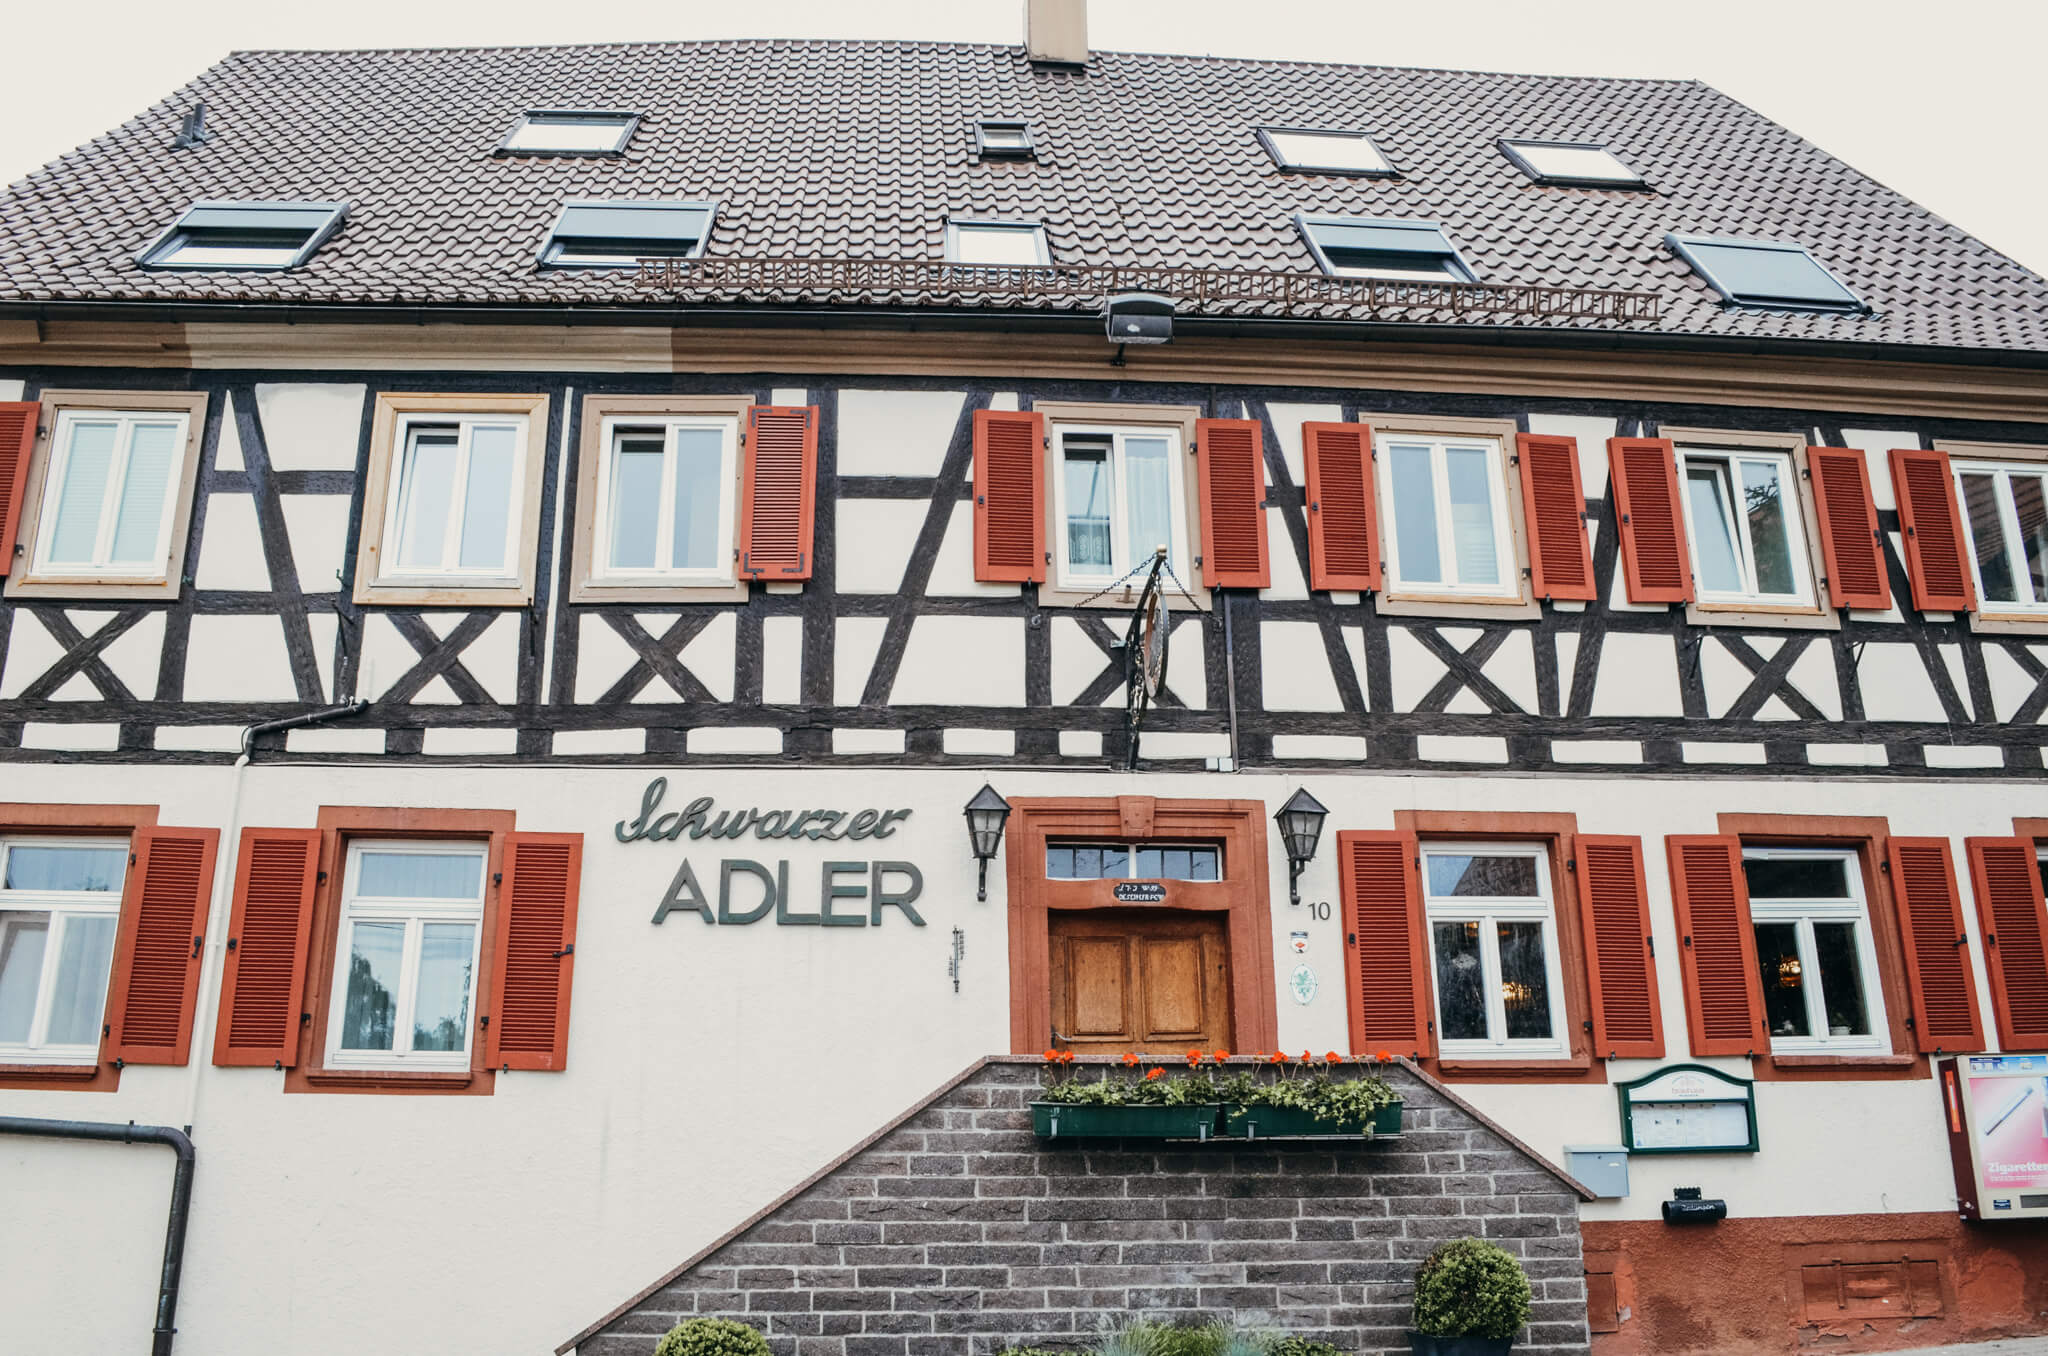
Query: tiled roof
{"type": "Point", "coordinates": [863, 148]}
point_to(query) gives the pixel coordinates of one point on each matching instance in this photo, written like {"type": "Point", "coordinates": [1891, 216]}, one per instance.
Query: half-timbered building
{"type": "Point", "coordinates": [516, 561]}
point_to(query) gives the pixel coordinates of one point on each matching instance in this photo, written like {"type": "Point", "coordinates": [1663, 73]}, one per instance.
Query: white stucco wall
{"type": "Point", "coordinates": [712, 1067]}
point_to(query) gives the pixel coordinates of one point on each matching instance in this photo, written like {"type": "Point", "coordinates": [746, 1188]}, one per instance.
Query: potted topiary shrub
{"type": "Point", "coordinates": [712, 1337]}
{"type": "Point", "coordinates": [1471, 1298]}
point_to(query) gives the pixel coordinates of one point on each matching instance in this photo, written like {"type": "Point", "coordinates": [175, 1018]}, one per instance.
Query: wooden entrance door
{"type": "Point", "coordinates": [1156, 980]}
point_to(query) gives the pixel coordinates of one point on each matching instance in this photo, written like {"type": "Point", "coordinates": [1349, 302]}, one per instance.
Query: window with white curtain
{"type": "Point", "coordinates": [2005, 508]}
{"type": "Point", "coordinates": [667, 492]}
{"type": "Point", "coordinates": [60, 908]}
{"type": "Point", "coordinates": [108, 498]}
{"type": "Point", "coordinates": [1118, 496]}
{"type": "Point", "coordinates": [1493, 950]}
{"type": "Point", "coordinates": [1814, 952]}
{"type": "Point", "coordinates": [1444, 503]}
{"type": "Point", "coordinates": [456, 505]}
{"type": "Point", "coordinates": [405, 964]}
{"type": "Point", "coordinates": [1742, 519]}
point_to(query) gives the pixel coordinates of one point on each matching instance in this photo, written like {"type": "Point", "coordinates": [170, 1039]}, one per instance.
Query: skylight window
{"type": "Point", "coordinates": [1584, 164]}
{"type": "Point", "coordinates": [998, 243]}
{"type": "Point", "coordinates": [1323, 152]}
{"type": "Point", "coordinates": [1396, 251]}
{"type": "Point", "coordinates": [1004, 139]}
{"type": "Point", "coordinates": [556, 131]}
{"type": "Point", "coordinates": [1766, 273]}
{"type": "Point", "coordinates": [244, 235]}
{"type": "Point", "coordinates": [618, 234]}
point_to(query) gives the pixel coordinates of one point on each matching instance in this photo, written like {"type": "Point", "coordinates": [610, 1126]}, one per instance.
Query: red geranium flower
{"type": "Point", "coordinates": [1156, 1073]}
{"type": "Point", "coordinates": [1333, 1058]}
{"type": "Point", "coordinates": [1277, 1057]}
{"type": "Point", "coordinates": [1194, 1058]}
{"type": "Point", "coordinates": [1220, 1055]}
{"type": "Point", "coordinates": [1130, 1058]}
{"type": "Point", "coordinates": [1384, 1056]}
{"type": "Point", "coordinates": [1052, 1057]}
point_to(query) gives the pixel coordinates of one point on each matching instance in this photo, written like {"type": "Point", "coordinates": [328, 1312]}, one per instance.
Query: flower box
{"type": "Point", "coordinates": [1061, 1120]}
{"type": "Point", "coordinates": [1287, 1122]}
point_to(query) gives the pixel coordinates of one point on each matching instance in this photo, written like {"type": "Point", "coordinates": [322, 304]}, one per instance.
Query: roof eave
{"type": "Point", "coordinates": [642, 315]}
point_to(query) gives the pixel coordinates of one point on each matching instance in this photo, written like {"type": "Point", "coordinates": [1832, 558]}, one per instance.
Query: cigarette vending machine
{"type": "Point", "coordinates": [1996, 1107]}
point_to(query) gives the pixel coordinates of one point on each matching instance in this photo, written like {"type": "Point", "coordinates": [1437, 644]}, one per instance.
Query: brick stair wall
{"type": "Point", "coordinates": [959, 1233]}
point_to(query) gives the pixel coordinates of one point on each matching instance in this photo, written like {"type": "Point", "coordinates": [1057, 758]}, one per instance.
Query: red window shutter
{"type": "Point", "coordinates": [2007, 879]}
{"type": "Point", "coordinates": [17, 441]}
{"type": "Point", "coordinates": [264, 986]}
{"type": "Point", "coordinates": [778, 491]}
{"type": "Point", "coordinates": [1931, 525]}
{"type": "Point", "coordinates": [1554, 505]}
{"type": "Point", "coordinates": [533, 952]}
{"type": "Point", "coordinates": [1231, 456]}
{"type": "Point", "coordinates": [1009, 497]}
{"type": "Point", "coordinates": [1938, 973]}
{"type": "Point", "coordinates": [1849, 541]}
{"type": "Point", "coordinates": [1615, 916]}
{"type": "Point", "coordinates": [1717, 950]}
{"type": "Point", "coordinates": [1387, 943]}
{"type": "Point", "coordinates": [1654, 556]}
{"type": "Point", "coordinates": [1343, 528]}
{"type": "Point", "coordinates": [155, 980]}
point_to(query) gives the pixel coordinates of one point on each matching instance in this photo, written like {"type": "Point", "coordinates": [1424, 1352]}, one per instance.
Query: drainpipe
{"type": "Point", "coordinates": [181, 1198]}
{"type": "Point", "coordinates": [223, 884]}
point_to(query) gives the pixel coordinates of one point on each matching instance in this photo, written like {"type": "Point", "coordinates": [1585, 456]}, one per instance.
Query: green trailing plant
{"type": "Point", "coordinates": [1292, 1345]}
{"type": "Point", "coordinates": [712, 1337]}
{"type": "Point", "coordinates": [1471, 1288]}
{"type": "Point", "coordinates": [1305, 1083]}
{"type": "Point", "coordinates": [1147, 1337]}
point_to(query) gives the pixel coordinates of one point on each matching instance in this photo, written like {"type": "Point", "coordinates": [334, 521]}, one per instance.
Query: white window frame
{"type": "Point", "coordinates": [2008, 519]}
{"type": "Point", "coordinates": [415, 914]}
{"type": "Point", "coordinates": [1509, 587]}
{"type": "Point", "coordinates": [391, 569]}
{"type": "Point", "coordinates": [1271, 137]}
{"type": "Point", "coordinates": [1119, 526]}
{"type": "Point", "coordinates": [1517, 150]}
{"type": "Point", "coordinates": [62, 906]}
{"type": "Point", "coordinates": [101, 565]}
{"type": "Point", "coordinates": [957, 226]}
{"type": "Point", "coordinates": [1804, 914]}
{"type": "Point", "coordinates": [1795, 529]}
{"type": "Point", "coordinates": [1445, 265]}
{"type": "Point", "coordinates": [602, 571]}
{"type": "Point", "coordinates": [1488, 911]}
{"type": "Point", "coordinates": [625, 122]}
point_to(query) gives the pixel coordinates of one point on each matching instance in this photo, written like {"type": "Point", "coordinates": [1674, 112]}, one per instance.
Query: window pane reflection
{"type": "Point", "coordinates": [1764, 501]}
{"type": "Point", "coordinates": [1524, 981]}
{"type": "Point", "coordinates": [1707, 501]}
{"type": "Point", "coordinates": [1472, 515]}
{"type": "Point", "coordinates": [22, 939]}
{"type": "Point", "coordinates": [1987, 534]}
{"type": "Point", "coordinates": [1779, 967]}
{"type": "Point", "coordinates": [369, 1012]}
{"type": "Point", "coordinates": [1415, 514]}
{"type": "Point", "coordinates": [1453, 874]}
{"type": "Point", "coordinates": [441, 1007]}
{"type": "Point", "coordinates": [1461, 980]}
{"type": "Point", "coordinates": [1841, 979]}
{"type": "Point", "coordinates": [79, 1003]}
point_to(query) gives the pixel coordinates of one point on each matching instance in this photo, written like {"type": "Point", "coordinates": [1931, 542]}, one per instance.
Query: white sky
{"type": "Point", "coordinates": [1942, 101]}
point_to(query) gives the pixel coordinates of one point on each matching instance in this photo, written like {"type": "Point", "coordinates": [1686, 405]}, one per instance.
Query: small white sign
{"type": "Point", "coordinates": [1303, 984]}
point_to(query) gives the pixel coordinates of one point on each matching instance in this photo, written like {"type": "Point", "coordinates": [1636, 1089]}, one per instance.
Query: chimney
{"type": "Point", "coordinates": [1056, 32]}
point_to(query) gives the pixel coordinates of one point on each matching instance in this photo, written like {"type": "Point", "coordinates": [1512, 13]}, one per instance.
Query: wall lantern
{"type": "Point", "coordinates": [986, 814]}
{"type": "Point", "coordinates": [1301, 827]}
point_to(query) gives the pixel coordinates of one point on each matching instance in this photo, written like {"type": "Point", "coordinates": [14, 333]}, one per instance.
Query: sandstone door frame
{"type": "Point", "coordinates": [1243, 895]}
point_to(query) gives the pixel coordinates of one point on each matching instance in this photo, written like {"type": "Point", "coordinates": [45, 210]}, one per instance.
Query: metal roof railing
{"type": "Point", "coordinates": [1196, 290]}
